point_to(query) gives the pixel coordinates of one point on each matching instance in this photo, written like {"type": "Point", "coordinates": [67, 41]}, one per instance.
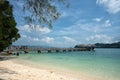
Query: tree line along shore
{"type": "Point", "coordinates": [107, 45]}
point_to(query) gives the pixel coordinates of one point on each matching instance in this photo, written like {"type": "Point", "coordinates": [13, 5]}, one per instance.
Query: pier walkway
{"type": "Point", "coordinates": [50, 50]}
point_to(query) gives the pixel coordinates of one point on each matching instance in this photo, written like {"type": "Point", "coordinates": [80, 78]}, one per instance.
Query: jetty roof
{"type": "Point", "coordinates": [84, 45]}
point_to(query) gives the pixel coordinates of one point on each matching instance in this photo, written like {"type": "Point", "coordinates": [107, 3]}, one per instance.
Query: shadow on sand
{"type": "Point", "coordinates": [6, 57]}
{"type": "Point", "coordinates": [5, 70]}
{"type": "Point", "coordinates": [2, 79]}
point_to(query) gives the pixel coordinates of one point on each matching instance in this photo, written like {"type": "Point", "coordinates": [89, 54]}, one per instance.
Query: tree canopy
{"type": "Point", "coordinates": [8, 31]}
{"type": "Point", "coordinates": [42, 12]}
{"type": "Point", "coordinates": [108, 45]}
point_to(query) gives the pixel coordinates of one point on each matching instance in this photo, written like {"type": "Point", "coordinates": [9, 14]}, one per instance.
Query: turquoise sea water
{"type": "Point", "coordinates": [104, 63]}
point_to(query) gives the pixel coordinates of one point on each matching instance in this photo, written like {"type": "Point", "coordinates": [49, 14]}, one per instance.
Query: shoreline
{"type": "Point", "coordinates": [24, 70]}
{"type": "Point", "coordinates": [19, 68]}
{"type": "Point", "coordinates": [10, 70]}
{"type": "Point", "coordinates": [58, 70]}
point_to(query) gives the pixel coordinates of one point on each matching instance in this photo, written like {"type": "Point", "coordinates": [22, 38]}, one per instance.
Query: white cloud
{"type": "Point", "coordinates": [24, 36]}
{"type": "Point", "coordinates": [99, 38]}
{"type": "Point", "coordinates": [36, 39]}
{"type": "Point", "coordinates": [48, 40]}
{"type": "Point", "coordinates": [97, 19]}
{"type": "Point", "coordinates": [69, 39]}
{"type": "Point", "coordinates": [31, 28]}
{"type": "Point", "coordinates": [112, 6]}
{"type": "Point", "coordinates": [43, 29]}
{"type": "Point", "coordinates": [80, 28]}
{"type": "Point", "coordinates": [64, 14]}
{"type": "Point", "coordinates": [29, 38]}
{"type": "Point", "coordinates": [107, 23]}
{"type": "Point", "coordinates": [25, 28]}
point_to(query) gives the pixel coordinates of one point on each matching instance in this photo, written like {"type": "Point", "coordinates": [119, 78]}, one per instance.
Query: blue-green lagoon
{"type": "Point", "coordinates": [101, 63]}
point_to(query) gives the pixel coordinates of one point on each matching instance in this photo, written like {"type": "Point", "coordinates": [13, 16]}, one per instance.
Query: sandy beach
{"type": "Point", "coordinates": [14, 68]}
{"type": "Point", "coordinates": [9, 70]}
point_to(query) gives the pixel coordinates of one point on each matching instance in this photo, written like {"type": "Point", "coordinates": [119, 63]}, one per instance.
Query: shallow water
{"type": "Point", "coordinates": [104, 63]}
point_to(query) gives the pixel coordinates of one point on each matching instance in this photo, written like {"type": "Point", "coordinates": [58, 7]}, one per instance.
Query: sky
{"type": "Point", "coordinates": [85, 22]}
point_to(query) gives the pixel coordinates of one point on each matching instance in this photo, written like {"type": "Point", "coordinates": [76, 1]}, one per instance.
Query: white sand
{"type": "Point", "coordinates": [10, 70]}
{"type": "Point", "coordinates": [15, 69]}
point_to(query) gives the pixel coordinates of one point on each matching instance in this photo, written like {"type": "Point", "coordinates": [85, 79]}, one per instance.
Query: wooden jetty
{"type": "Point", "coordinates": [50, 50]}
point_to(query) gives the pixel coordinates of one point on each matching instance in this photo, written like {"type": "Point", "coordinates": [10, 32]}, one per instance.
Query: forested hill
{"type": "Point", "coordinates": [106, 45]}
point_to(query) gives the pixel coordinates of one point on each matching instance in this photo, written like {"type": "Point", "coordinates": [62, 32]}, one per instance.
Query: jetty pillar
{"type": "Point", "coordinates": [57, 51]}
{"type": "Point", "coordinates": [26, 51]}
{"type": "Point", "coordinates": [74, 50]}
{"type": "Point", "coordinates": [70, 50]}
{"type": "Point", "coordinates": [39, 51]}
{"type": "Point", "coordinates": [64, 50]}
{"type": "Point", "coordinates": [49, 51]}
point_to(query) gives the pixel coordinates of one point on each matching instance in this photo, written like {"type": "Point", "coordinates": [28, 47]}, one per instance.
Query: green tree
{"type": "Point", "coordinates": [8, 31]}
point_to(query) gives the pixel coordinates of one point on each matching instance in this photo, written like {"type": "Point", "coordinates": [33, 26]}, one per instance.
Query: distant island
{"type": "Point", "coordinates": [99, 45]}
{"type": "Point", "coordinates": [107, 45]}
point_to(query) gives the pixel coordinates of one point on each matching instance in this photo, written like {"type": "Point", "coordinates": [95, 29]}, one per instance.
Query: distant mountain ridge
{"type": "Point", "coordinates": [108, 45]}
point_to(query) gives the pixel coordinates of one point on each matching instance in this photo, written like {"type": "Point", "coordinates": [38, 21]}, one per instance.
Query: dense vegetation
{"type": "Point", "coordinates": [110, 45]}
{"type": "Point", "coordinates": [8, 31]}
